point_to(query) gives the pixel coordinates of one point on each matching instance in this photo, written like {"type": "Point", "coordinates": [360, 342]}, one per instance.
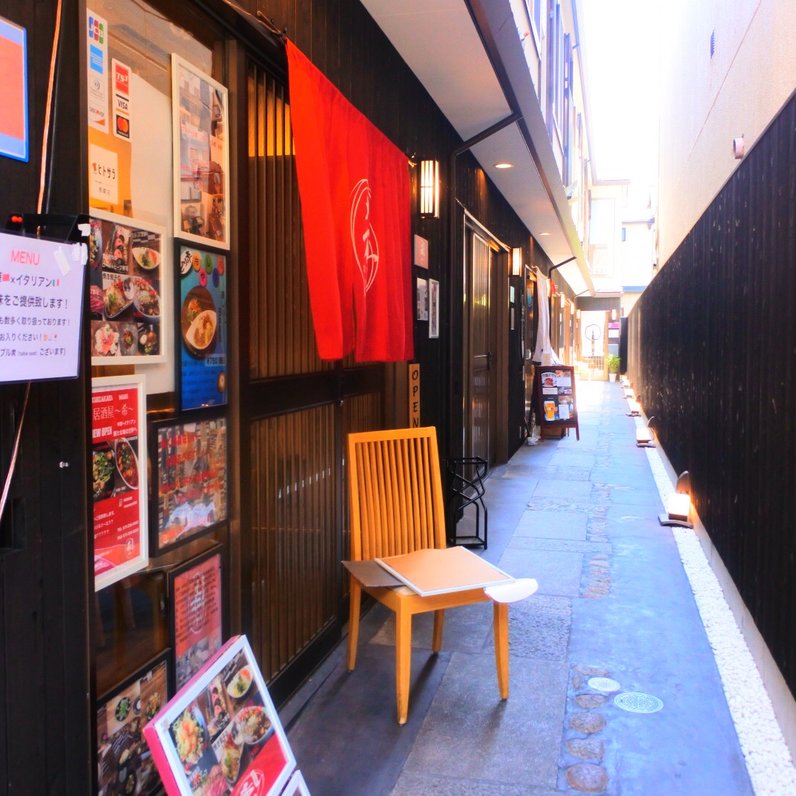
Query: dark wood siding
{"type": "Point", "coordinates": [713, 356]}
{"type": "Point", "coordinates": [44, 580]}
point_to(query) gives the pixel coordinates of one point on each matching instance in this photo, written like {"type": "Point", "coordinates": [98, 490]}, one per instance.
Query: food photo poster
{"type": "Point", "coordinates": [124, 762]}
{"type": "Point", "coordinates": [196, 614]}
{"type": "Point", "coordinates": [201, 155]}
{"type": "Point", "coordinates": [119, 483]}
{"type": "Point", "coordinates": [190, 476]}
{"type": "Point", "coordinates": [129, 299]}
{"type": "Point", "coordinates": [221, 733]}
{"type": "Point", "coordinates": [202, 327]}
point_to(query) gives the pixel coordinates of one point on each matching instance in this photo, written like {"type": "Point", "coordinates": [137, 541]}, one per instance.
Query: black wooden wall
{"type": "Point", "coordinates": [45, 706]}
{"type": "Point", "coordinates": [713, 357]}
{"type": "Point", "coordinates": [344, 42]}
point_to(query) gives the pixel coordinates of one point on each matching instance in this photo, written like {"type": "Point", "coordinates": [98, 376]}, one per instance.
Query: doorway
{"type": "Point", "coordinates": [479, 346]}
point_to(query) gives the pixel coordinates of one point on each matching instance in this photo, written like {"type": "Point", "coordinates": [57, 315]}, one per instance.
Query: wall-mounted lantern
{"type": "Point", "coordinates": [429, 189]}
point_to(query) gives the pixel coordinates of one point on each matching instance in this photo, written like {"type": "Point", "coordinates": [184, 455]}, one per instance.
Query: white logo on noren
{"type": "Point", "coordinates": [363, 236]}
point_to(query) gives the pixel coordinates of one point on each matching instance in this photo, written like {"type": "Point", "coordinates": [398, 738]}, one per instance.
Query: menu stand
{"type": "Point", "coordinates": [466, 487]}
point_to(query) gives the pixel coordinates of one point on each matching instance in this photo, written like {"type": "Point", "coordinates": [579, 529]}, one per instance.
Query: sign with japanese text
{"type": "Point", "coordinates": [202, 327]}
{"type": "Point", "coordinates": [129, 299]}
{"type": "Point", "coordinates": [196, 615]}
{"type": "Point", "coordinates": [221, 733]}
{"type": "Point", "coordinates": [118, 466]}
{"type": "Point", "coordinates": [41, 301]}
{"type": "Point", "coordinates": [14, 142]}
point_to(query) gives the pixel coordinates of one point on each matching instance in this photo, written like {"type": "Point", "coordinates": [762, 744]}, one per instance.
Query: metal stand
{"type": "Point", "coordinates": [466, 488]}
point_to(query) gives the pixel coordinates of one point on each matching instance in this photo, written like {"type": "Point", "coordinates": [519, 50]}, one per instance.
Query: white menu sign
{"type": "Point", "coordinates": [41, 301]}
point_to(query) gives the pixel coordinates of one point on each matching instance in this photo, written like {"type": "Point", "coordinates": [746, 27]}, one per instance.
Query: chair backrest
{"type": "Point", "coordinates": [395, 492]}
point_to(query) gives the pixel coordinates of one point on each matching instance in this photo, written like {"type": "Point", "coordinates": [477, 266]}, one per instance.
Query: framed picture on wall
{"type": "Point", "coordinates": [201, 333]}
{"type": "Point", "coordinates": [119, 477]}
{"type": "Point", "coordinates": [129, 290]}
{"type": "Point", "coordinates": [189, 473]}
{"type": "Point", "coordinates": [200, 138]}
{"type": "Point", "coordinates": [124, 764]}
{"type": "Point", "coordinates": [194, 590]}
{"type": "Point", "coordinates": [422, 299]}
{"type": "Point", "coordinates": [433, 308]}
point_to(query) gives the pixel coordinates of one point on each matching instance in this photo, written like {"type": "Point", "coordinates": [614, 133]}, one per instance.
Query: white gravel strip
{"type": "Point", "coordinates": [768, 759]}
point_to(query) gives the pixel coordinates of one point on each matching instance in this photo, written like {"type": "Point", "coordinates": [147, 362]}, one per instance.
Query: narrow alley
{"type": "Point", "coordinates": [614, 604]}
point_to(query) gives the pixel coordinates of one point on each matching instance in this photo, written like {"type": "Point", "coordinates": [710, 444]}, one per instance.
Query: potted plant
{"type": "Point", "coordinates": [613, 366]}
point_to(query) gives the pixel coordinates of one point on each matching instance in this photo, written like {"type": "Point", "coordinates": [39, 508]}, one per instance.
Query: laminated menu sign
{"type": "Point", "coordinates": [221, 734]}
{"type": "Point", "coordinates": [118, 447]}
{"type": "Point", "coordinates": [555, 392]}
{"type": "Point", "coordinates": [196, 604]}
{"type": "Point", "coordinates": [41, 302]}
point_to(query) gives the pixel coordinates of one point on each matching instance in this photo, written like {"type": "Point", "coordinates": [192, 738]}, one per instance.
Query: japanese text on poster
{"type": "Point", "coordinates": [41, 291]}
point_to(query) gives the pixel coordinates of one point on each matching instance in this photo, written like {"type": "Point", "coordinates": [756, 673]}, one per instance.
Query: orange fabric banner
{"type": "Point", "coordinates": [355, 202]}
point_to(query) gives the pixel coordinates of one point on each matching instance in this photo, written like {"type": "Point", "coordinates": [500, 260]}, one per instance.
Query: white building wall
{"type": "Point", "coordinates": [706, 102]}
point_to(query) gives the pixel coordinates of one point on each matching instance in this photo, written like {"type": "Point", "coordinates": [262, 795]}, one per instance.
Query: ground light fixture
{"type": "Point", "coordinates": [429, 188]}
{"type": "Point", "coordinates": [645, 435]}
{"type": "Point", "coordinates": [678, 504]}
{"type": "Point", "coordinates": [633, 407]}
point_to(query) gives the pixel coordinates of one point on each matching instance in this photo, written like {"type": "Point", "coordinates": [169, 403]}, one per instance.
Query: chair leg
{"type": "Point", "coordinates": [403, 662]}
{"type": "Point", "coordinates": [501, 622]}
{"type": "Point", "coordinates": [439, 622]}
{"type": "Point", "coordinates": [355, 600]}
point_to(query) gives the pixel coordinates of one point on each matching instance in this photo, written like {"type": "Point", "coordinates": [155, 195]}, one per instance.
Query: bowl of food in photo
{"type": "Point", "coordinates": [199, 321]}
{"type": "Point", "coordinates": [127, 463]}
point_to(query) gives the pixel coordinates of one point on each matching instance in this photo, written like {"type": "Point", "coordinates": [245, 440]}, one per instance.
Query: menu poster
{"type": "Point", "coordinates": [202, 311]}
{"type": "Point", "coordinates": [119, 485]}
{"type": "Point", "coordinates": [556, 394]}
{"type": "Point", "coordinates": [190, 473]}
{"type": "Point", "coordinates": [124, 762]}
{"type": "Point", "coordinates": [221, 733]}
{"type": "Point", "coordinates": [196, 617]}
{"type": "Point", "coordinates": [201, 155]}
{"type": "Point", "coordinates": [41, 296]}
{"type": "Point", "coordinates": [127, 291]}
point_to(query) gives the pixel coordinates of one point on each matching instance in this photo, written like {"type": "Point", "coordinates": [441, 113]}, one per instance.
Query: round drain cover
{"type": "Point", "coordinates": [636, 702]}
{"type": "Point", "coordinates": [604, 684]}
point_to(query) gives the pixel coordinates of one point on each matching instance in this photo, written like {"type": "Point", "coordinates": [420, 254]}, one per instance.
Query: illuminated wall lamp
{"type": "Point", "coordinates": [678, 505]}
{"type": "Point", "coordinates": [429, 189]}
{"type": "Point", "coordinates": [516, 262]}
{"type": "Point", "coordinates": [645, 435]}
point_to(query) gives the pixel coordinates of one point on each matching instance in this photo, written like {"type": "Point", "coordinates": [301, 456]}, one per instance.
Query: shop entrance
{"type": "Point", "coordinates": [479, 346]}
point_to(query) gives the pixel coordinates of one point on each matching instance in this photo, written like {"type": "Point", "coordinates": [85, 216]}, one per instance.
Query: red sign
{"type": "Point", "coordinates": [118, 457]}
{"type": "Point", "coordinates": [197, 616]}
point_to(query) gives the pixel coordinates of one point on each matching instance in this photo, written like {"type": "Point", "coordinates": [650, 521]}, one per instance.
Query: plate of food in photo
{"type": "Point", "coordinates": [117, 298]}
{"type": "Point", "coordinates": [253, 724]}
{"type": "Point", "coordinates": [190, 736]}
{"type": "Point", "coordinates": [146, 257]}
{"type": "Point", "coordinates": [199, 321]}
{"type": "Point", "coordinates": [128, 339]}
{"type": "Point", "coordinates": [240, 683]}
{"type": "Point", "coordinates": [104, 339]}
{"type": "Point", "coordinates": [102, 471]}
{"type": "Point", "coordinates": [146, 298]}
{"type": "Point", "coordinates": [127, 463]}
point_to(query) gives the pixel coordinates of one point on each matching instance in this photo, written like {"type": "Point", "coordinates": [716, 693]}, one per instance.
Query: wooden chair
{"type": "Point", "coordinates": [396, 506]}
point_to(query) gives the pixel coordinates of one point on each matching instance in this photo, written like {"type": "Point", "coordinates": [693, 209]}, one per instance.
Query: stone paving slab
{"type": "Point", "coordinates": [552, 525]}
{"type": "Point", "coordinates": [573, 458]}
{"type": "Point", "coordinates": [419, 785]}
{"type": "Point", "coordinates": [557, 573]}
{"type": "Point", "coordinates": [470, 734]}
{"type": "Point", "coordinates": [571, 490]}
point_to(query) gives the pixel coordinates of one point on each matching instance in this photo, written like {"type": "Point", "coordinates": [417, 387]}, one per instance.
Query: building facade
{"type": "Point", "coordinates": [117, 108]}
